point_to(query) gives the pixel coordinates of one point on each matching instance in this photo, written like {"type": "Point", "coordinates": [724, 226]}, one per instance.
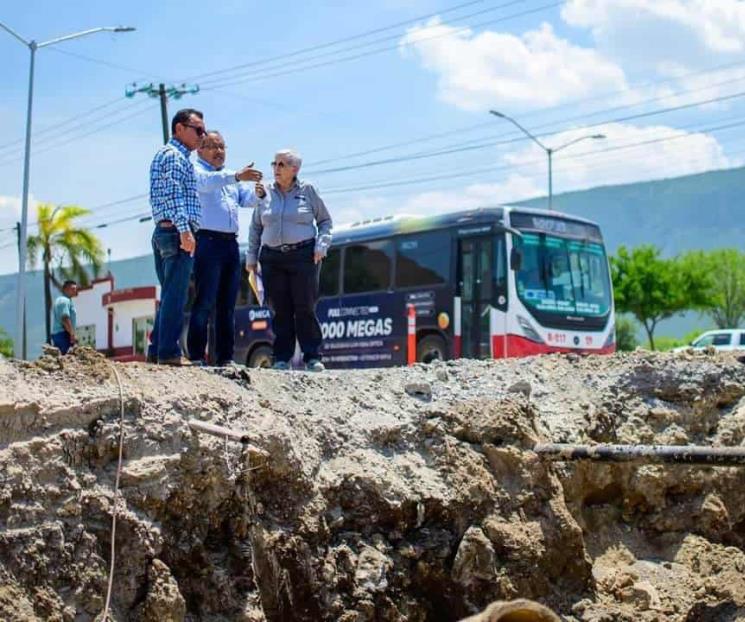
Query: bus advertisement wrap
{"type": "Point", "coordinates": [360, 332]}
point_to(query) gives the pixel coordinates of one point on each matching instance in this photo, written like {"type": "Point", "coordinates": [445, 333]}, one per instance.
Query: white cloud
{"type": "Point", "coordinates": [10, 209]}
{"type": "Point", "coordinates": [657, 32]}
{"type": "Point", "coordinates": [492, 69]}
{"type": "Point", "coordinates": [514, 188]}
{"type": "Point", "coordinates": [667, 152]}
{"type": "Point", "coordinates": [457, 197]}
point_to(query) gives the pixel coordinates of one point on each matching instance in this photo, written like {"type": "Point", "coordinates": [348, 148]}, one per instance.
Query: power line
{"type": "Point", "coordinates": [105, 63]}
{"type": "Point", "coordinates": [145, 216]}
{"type": "Point", "coordinates": [260, 76]}
{"type": "Point", "coordinates": [450, 151]}
{"type": "Point", "coordinates": [472, 172]}
{"type": "Point", "coordinates": [55, 126]}
{"type": "Point", "coordinates": [574, 103]}
{"type": "Point", "coordinates": [328, 44]}
{"type": "Point", "coordinates": [96, 130]}
{"type": "Point", "coordinates": [362, 45]}
{"type": "Point", "coordinates": [139, 215]}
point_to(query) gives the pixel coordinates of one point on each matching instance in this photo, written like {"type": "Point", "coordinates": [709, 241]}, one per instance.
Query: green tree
{"type": "Point", "coordinates": [726, 268]}
{"type": "Point", "coordinates": [66, 250]}
{"type": "Point", "coordinates": [6, 344]}
{"type": "Point", "coordinates": [625, 334]}
{"type": "Point", "coordinates": [653, 289]}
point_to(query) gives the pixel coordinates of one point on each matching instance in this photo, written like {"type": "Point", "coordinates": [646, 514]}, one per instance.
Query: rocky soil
{"type": "Point", "coordinates": [382, 495]}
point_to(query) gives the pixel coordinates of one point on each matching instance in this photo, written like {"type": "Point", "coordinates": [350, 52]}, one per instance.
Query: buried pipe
{"type": "Point", "coordinates": [226, 433]}
{"type": "Point", "coordinates": [676, 454]}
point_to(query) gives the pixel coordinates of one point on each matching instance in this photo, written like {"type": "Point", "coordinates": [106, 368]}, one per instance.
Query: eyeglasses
{"type": "Point", "coordinates": [279, 165]}
{"type": "Point", "coordinates": [199, 130]}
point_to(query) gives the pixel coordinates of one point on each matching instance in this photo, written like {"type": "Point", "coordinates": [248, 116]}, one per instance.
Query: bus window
{"type": "Point", "coordinates": [423, 259]}
{"type": "Point", "coordinates": [330, 273]}
{"type": "Point", "coordinates": [367, 266]}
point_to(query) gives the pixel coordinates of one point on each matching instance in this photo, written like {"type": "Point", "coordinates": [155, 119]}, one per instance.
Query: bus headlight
{"type": "Point", "coordinates": [528, 329]}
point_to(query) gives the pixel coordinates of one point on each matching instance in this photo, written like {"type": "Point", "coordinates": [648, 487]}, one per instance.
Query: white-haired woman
{"type": "Point", "coordinates": [289, 235]}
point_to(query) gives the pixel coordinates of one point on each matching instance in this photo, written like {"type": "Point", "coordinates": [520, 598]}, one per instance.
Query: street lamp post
{"type": "Point", "coordinates": [20, 342]}
{"type": "Point", "coordinates": [550, 151]}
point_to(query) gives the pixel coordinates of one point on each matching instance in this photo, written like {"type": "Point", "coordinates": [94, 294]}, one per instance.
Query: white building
{"type": "Point", "coordinates": [116, 322]}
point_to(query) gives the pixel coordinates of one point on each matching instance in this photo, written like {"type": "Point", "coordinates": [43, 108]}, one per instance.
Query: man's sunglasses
{"type": "Point", "coordinates": [199, 130]}
{"type": "Point", "coordinates": [279, 165]}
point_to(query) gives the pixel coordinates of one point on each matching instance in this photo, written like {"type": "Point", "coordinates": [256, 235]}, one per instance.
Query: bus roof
{"type": "Point", "coordinates": [387, 226]}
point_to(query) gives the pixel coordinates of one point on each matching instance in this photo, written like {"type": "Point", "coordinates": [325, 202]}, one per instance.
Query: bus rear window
{"type": "Point", "coordinates": [423, 259]}
{"type": "Point", "coordinates": [367, 267]}
{"type": "Point", "coordinates": [329, 285]}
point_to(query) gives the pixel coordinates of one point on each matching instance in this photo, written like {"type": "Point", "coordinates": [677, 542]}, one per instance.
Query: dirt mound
{"type": "Point", "coordinates": [399, 494]}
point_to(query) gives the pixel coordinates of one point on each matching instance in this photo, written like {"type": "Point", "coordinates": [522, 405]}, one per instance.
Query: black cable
{"type": "Point", "coordinates": [450, 175]}
{"type": "Point", "coordinates": [250, 78]}
{"type": "Point", "coordinates": [520, 138]}
{"type": "Point", "coordinates": [149, 105]}
{"type": "Point", "coordinates": [321, 46]}
{"type": "Point", "coordinates": [76, 117]}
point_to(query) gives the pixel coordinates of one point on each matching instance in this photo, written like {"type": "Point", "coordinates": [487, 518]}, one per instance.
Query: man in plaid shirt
{"type": "Point", "coordinates": [176, 214]}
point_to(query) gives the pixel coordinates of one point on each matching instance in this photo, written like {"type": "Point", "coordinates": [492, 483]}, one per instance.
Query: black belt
{"type": "Point", "coordinates": [168, 224]}
{"type": "Point", "coordinates": [286, 248]}
{"type": "Point", "coordinates": [216, 235]}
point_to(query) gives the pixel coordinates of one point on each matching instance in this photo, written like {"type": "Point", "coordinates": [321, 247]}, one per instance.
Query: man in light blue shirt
{"type": "Point", "coordinates": [65, 318]}
{"type": "Point", "coordinates": [217, 265]}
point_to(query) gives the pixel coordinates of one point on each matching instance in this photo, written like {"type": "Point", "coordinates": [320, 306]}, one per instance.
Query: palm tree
{"type": "Point", "coordinates": [63, 247]}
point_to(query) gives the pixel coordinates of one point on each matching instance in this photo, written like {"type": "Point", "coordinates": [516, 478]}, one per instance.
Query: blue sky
{"type": "Point", "coordinates": [421, 83]}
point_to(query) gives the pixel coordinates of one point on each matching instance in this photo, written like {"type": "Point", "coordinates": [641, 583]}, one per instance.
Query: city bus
{"type": "Point", "coordinates": [483, 283]}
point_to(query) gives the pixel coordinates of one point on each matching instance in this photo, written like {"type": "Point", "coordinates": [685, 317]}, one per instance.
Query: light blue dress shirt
{"type": "Point", "coordinates": [221, 196]}
{"type": "Point", "coordinates": [288, 218]}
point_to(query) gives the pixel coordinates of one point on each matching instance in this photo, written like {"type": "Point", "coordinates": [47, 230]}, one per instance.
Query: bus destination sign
{"type": "Point", "coordinates": [556, 226]}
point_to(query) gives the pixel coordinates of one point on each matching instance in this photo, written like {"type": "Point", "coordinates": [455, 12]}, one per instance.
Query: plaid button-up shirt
{"type": "Point", "coordinates": [173, 187]}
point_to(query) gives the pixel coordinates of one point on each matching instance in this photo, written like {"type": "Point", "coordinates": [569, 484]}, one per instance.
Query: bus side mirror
{"type": "Point", "coordinates": [516, 259]}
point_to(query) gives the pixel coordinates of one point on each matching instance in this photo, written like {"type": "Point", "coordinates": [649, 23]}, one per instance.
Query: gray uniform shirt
{"type": "Point", "coordinates": [289, 218]}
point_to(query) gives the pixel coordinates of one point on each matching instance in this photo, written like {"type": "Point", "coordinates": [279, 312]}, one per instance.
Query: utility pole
{"type": "Point", "coordinates": [22, 347]}
{"type": "Point", "coordinates": [163, 92]}
{"type": "Point", "coordinates": [33, 46]}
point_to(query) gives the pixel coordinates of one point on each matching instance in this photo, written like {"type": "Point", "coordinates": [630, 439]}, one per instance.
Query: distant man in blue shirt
{"type": "Point", "coordinates": [65, 318]}
{"type": "Point", "coordinates": [176, 214]}
{"type": "Point", "coordinates": [217, 264]}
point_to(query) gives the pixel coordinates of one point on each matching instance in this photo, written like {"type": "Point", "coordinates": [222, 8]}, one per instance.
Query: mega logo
{"type": "Point", "coordinates": [259, 314]}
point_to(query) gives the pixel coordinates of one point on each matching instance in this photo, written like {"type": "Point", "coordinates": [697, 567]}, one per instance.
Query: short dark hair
{"type": "Point", "coordinates": [182, 116]}
{"type": "Point", "coordinates": [68, 282]}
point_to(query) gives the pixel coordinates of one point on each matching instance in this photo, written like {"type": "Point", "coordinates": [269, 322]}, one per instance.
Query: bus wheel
{"type": "Point", "coordinates": [260, 357]}
{"type": "Point", "coordinates": [431, 348]}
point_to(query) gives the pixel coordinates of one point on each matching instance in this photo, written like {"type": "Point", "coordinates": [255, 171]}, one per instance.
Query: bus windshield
{"type": "Point", "coordinates": [564, 276]}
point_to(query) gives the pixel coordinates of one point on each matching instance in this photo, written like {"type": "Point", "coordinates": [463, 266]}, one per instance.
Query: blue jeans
{"type": "Point", "coordinates": [291, 286]}
{"type": "Point", "coordinates": [173, 267]}
{"type": "Point", "coordinates": [61, 341]}
{"type": "Point", "coordinates": [217, 277]}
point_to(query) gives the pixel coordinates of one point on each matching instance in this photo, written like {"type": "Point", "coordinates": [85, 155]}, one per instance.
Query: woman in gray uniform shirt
{"type": "Point", "coordinates": [290, 233]}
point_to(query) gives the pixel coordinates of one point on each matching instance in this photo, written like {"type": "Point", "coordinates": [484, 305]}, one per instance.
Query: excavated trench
{"type": "Point", "coordinates": [391, 495]}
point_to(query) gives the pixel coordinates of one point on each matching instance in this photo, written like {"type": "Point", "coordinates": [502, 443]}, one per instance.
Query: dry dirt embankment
{"type": "Point", "coordinates": [399, 494]}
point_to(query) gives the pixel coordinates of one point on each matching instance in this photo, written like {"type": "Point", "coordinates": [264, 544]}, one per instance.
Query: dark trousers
{"type": "Point", "coordinates": [62, 341]}
{"type": "Point", "coordinates": [291, 286]}
{"type": "Point", "coordinates": [173, 267]}
{"type": "Point", "coordinates": [217, 277]}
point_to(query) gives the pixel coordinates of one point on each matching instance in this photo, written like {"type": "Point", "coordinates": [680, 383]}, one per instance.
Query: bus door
{"type": "Point", "coordinates": [475, 284]}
